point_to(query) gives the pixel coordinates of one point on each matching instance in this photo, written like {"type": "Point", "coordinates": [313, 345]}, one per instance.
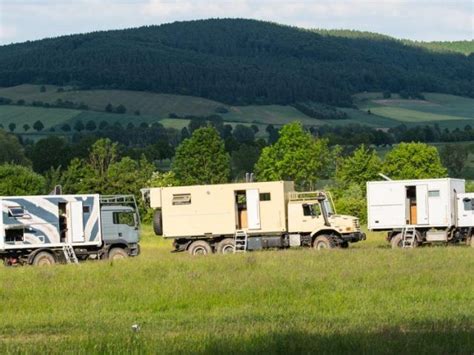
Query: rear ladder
{"type": "Point", "coordinates": [408, 237]}
{"type": "Point", "coordinates": [70, 254]}
{"type": "Point", "coordinates": [240, 241]}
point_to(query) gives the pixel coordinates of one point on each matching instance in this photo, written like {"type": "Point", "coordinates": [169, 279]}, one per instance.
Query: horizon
{"type": "Point", "coordinates": [401, 19]}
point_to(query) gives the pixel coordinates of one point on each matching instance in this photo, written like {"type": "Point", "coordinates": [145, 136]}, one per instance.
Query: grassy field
{"type": "Point", "coordinates": [446, 110]}
{"type": "Point", "coordinates": [366, 299]}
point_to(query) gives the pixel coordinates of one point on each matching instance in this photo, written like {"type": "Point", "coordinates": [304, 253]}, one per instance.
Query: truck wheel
{"type": "Point", "coordinates": [43, 258]}
{"type": "Point", "coordinates": [199, 247]}
{"type": "Point", "coordinates": [396, 241]}
{"type": "Point", "coordinates": [323, 242]}
{"type": "Point", "coordinates": [117, 254]}
{"type": "Point", "coordinates": [157, 222]}
{"type": "Point", "coordinates": [226, 246]}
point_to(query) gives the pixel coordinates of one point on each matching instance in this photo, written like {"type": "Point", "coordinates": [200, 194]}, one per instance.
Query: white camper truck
{"type": "Point", "coordinates": [43, 230]}
{"type": "Point", "coordinates": [416, 212]}
{"type": "Point", "coordinates": [247, 216]}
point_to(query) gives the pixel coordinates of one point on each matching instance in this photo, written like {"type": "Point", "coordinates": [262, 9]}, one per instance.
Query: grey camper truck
{"type": "Point", "coordinates": [43, 230]}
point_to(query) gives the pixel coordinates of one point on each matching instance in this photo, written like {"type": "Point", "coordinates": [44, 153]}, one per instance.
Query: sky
{"type": "Point", "coordinates": [22, 20]}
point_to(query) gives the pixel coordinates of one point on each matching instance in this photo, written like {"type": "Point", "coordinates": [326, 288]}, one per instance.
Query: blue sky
{"type": "Point", "coordinates": [22, 20]}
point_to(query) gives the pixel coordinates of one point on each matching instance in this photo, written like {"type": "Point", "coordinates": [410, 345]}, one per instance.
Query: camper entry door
{"type": "Point", "coordinates": [253, 208]}
{"type": "Point", "coordinates": [422, 213]}
{"type": "Point", "coordinates": [75, 222]}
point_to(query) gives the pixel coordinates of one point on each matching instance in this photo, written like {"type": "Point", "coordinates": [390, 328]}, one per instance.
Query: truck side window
{"type": "Point", "coordinates": [124, 218]}
{"type": "Point", "coordinates": [468, 204]}
{"type": "Point", "coordinates": [311, 210]}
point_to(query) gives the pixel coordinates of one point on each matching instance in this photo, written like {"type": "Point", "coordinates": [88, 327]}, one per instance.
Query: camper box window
{"type": "Point", "coordinates": [16, 212]}
{"type": "Point", "coordinates": [265, 196]}
{"type": "Point", "coordinates": [433, 193]}
{"type": "Point", "coordinates": [181, 199]}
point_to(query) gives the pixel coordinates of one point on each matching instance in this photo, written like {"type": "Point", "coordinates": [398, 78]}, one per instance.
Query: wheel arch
{"type": "Point", "coordinates": [324, 231]}
{"type": "Point", "coordinates": [35, 252]}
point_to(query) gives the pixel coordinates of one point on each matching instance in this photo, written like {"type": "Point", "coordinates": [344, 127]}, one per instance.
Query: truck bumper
{"type": "Point", "coordinates": [354, 237]}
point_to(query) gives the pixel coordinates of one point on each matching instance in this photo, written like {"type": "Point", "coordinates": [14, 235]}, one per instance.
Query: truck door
{"type": "Point", "coordinates": [465, 210]}
{"type": "Point", "coordinates": [253, 208]}
{"type": "Point", "coordinates": [75, 222]}
{"type": "Point", "coordinates": [422, 216]}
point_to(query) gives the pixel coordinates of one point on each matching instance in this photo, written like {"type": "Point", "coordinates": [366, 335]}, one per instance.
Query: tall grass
{"type": "Point", "coordinates": [367, 298]}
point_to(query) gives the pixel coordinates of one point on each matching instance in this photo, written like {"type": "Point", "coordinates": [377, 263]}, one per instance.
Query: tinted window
{"type": "Point", "coordinates": [124, 218]}
{"type": "Point", "coordinates": [265, 196]}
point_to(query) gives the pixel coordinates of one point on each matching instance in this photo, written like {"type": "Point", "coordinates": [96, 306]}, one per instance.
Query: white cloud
{"type": "Point", "coordinates": [415, 19]}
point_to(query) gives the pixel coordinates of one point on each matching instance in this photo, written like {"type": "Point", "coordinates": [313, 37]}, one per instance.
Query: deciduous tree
{"type": "Point", "coordinates": [413, 161]}
{"type": "Point", "coordinates": [202, 159]}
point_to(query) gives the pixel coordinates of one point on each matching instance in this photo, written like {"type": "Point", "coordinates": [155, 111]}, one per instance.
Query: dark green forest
{"type": "Point", "coordinates": [239, 61]}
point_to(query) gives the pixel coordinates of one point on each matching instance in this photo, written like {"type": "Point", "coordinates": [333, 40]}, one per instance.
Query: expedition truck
{"type": "Point", "coordinates": [43, 230]}
{"type": "Point", "coordinates": [227, 218]}
{"type": "Point", "coordinates": [417, 212]}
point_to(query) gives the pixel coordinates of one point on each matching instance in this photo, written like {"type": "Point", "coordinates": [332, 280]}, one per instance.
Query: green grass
{"type": "Point", "coordinates": [367, 299]}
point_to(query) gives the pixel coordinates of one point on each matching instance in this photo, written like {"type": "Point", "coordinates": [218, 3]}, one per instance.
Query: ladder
{"type": "Point", "coordinates": [408, 237]}
{"type": "Point", "coordinates": [70, 254]}
{"type": "Point", "coordinates": [240, 241]}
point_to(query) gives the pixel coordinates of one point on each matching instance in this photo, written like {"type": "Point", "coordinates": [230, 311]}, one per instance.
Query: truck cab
{"type": "Point", "coordinates": [120, 226]}
{"type": "Point", "coordinates": [313, 213]}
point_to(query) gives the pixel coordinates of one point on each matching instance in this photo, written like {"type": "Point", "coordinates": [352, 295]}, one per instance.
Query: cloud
{"type": "Point", "coordinates": [415, 19]}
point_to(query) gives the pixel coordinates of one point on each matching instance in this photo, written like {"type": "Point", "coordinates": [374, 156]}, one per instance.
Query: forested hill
{"type": "Point", "coordinates": [237, 61]}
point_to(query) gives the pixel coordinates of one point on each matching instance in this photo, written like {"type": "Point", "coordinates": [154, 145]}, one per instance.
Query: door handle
{"type": "Point", "coordinates": [120, 234]}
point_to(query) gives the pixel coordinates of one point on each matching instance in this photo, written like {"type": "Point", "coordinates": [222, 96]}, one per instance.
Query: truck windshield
{"type": "Point", "coordinates": [328, 207]}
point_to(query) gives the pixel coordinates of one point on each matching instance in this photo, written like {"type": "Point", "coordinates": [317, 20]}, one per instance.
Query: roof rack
{"type": "Point", "coordinates": [117, 199]}
{"type": "Point", "coordinates": [307, 196]}
{"type": "Point", "coordinates": [121, 200]}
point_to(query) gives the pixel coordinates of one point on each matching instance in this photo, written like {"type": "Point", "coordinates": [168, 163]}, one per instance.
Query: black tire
{"type": "Point", "coordinates": [117, 254]}
{"type": "Point", "coordinates": [344, 245]}
{"type": "Point", "coordinates": [199, 247]}
{"type": "Point", "coordinates": [43, 258]}
{"type": "Point", "coordinates": [396, 241]}
{"type": "Point", "coordinates": [324, 242]}
{"type": "Point", "coordinates": [226, 246]}
{"type": "Point", "coordinates": [158, 222]}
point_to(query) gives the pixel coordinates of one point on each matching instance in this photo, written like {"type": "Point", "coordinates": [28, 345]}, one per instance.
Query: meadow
{"type": "Point", "coordinates": [365, 299]}
{"type": "Point", "coordinates": [370, 109]}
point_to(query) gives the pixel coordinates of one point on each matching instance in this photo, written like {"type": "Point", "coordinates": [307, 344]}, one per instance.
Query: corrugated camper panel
{"type": "Point", "coordinates": [192, 211]}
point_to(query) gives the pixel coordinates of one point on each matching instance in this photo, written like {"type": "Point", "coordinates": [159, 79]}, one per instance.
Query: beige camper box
{"type": "Point", "coordinates": [202, 210]}
{"type": "Point", "coordinates": [264, 214]}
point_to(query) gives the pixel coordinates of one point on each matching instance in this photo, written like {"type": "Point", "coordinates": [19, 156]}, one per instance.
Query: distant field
{"type": "Point", "coordinates": [147, 103]}
{"type": "Point", "coordinates": [372, 109]}
{"type": "Point", "coordinates": [447, 110]}
{"type": "Point", "coordinates": [21, 115]}
{"type": "Point", "coordinates": [365, 299]}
